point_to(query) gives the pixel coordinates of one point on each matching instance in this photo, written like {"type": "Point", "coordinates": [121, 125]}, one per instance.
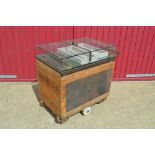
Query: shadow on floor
{"type": "Point", "coordinates": [36, 92]}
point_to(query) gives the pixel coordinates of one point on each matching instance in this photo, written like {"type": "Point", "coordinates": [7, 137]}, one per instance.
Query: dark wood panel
{"type": "Point", "coordinates": [89, 103]}
{"type": "Point", "coordinates": [85, 89]}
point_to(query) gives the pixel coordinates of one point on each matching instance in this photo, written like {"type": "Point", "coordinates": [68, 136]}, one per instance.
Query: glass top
{"type": "Point", "coordinates": [75, 47]}
{"type": "Point", "coordinates": [70, 55]}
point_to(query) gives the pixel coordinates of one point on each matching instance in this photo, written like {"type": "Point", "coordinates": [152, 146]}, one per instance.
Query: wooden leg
{"type": "Point", "coordinates": [104, 99]}
{"type": "Point", "coordinates": [61, 121]}
{"type": "Point", "coordinates": [41, 103]}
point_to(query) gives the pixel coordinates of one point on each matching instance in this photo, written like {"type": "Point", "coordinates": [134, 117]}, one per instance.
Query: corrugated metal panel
{"type": "Point", "coordinates": [136, 46]}
{"type": "Point", "coordinates": [17, 48]}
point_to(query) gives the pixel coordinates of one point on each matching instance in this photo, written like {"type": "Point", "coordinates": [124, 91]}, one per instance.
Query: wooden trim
{"type": "Point", "coordinates": [49, 87]}
{"type": "Point", "coordinates": [63, 99]}
{"type": "Point", "coordinates": [48, 90]}
{"type": "Point", "coordinates": [56, 77]}
{"type": "Point", "coordinates": [49, 83]}
{"type": "Point", "coordinates": [87, 72]}
{"type": "Point", "coordinates": [112, 74]}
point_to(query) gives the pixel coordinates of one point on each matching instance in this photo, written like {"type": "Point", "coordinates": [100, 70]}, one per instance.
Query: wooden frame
{"type": "Point", "coordinates": [52, 87]}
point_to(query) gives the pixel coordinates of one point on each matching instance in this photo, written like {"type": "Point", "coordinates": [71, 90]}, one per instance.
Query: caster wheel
{"type": "Point", "coordinates": [86, 111]}
{"type": "Point", "coordinates": [61, 121]}
{"type": "Point", "coordinates": [41, 103]}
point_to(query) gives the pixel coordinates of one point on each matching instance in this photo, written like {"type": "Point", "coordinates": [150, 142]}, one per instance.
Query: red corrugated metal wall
{"type": "Point", "coordinates": [136, 46]}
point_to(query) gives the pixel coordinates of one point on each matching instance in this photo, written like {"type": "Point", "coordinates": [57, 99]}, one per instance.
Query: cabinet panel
{"type": "Point", "coordinates": [86, 89]}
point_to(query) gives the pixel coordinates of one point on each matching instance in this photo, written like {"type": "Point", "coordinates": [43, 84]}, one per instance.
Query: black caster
{"type": "Point", "coordinates": [86, 111]}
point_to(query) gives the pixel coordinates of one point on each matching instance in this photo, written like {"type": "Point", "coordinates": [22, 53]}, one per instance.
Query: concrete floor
{"type": "Point", "coordinates": [130, 105]}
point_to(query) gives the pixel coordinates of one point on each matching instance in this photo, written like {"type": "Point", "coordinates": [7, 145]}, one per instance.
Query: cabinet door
{"type": "Point", "coordinates": [86, 89]}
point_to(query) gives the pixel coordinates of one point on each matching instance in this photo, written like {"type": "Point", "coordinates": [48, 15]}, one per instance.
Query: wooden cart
{"type": "Point", "coordinates": [72, 76]}
{"type": "Point", "coordinates": [72, 93]}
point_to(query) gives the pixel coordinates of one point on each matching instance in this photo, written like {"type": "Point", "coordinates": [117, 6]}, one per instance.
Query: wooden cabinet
{"type": "Point", "coordinates": [69, 94]}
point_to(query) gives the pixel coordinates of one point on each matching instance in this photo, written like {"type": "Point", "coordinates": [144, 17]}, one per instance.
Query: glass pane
{"type": "Point", "coordinates": [67, 55]}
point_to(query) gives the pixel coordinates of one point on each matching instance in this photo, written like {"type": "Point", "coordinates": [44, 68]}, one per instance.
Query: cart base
{"type": "Point", "coordinates": [81, 109]}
